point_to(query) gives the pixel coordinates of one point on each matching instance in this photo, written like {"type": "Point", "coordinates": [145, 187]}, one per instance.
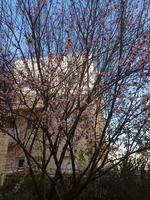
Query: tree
{"type": "Point", "coordinates": [54, 46]}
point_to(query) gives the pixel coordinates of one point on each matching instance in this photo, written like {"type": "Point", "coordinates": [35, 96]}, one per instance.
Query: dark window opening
{"type": "Point", "coordinates": [10, 123]}
{"type": "Point", "coordinates": [29, 124]}
{"type": "Point", "coordinates": [20, 163]}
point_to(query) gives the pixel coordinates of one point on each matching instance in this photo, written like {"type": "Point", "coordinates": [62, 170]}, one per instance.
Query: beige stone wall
{"type": "Point", "coordinates": [3, 153]}
{"type": "Point", "coordinates": [10, 154]}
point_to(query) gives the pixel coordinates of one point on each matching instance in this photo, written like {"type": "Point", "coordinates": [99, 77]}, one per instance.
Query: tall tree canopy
{"type": "Point", "coordinates": [86, 63]}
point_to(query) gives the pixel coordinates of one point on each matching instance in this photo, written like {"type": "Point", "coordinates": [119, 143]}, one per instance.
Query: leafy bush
{"type": "Point", "coordinates": [17, 186]}
{"type": "Point", "coordinates": [129, 181]}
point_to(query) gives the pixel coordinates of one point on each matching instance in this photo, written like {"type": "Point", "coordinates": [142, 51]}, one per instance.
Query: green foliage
{"type": "Point", "coordinates": [129, 181]}
{"type": "Point", "coordinates": [17, 187]}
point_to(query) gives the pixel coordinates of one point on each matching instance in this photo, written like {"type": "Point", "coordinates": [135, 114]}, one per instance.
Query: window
{"type": "Point", "coordinates": [66, 166]}
{"type": "Point", "coordinates": [20, 163]}
{"type": "Point", "coordinates": [29, 124]}
{"type": "Point", "coordinates": [10, 123]}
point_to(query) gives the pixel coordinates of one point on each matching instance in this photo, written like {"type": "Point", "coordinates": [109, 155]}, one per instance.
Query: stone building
{"type": "Point", "coordinates": [12, 158]}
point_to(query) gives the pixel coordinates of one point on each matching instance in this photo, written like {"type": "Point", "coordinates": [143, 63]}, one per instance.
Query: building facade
{"type": "Point", "coordinates": [12, 158]}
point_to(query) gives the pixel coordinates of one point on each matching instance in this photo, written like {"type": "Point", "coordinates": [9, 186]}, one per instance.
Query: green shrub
{"type": "Point", "coordinates": [18, 187]}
